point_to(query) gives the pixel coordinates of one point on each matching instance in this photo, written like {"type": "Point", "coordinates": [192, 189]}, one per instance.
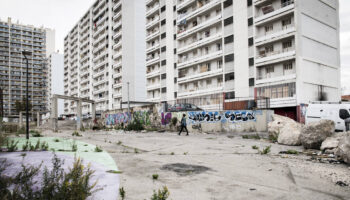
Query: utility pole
{"type": "Point", "coordinates": [1, 104]}
{"type": "Point", "coordinates": [128, 99]}
{"type": "Point", "coordinates": [27, 90]}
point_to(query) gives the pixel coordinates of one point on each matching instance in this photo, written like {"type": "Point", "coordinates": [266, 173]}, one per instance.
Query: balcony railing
{"type": "Point", "coordinates": [270, 8]}
{"type": "Point", "coordinates": [264, 54]}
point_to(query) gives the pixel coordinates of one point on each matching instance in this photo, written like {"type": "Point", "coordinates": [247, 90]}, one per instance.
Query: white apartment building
{"type": "Point", "coordinates": [283, 50]}
{"type": "Point", "coordinates": [15, 38]}
{"type": "Point", "coordinates": [55, 80]}
{"type": "Point", "coordinates": [104, 52]}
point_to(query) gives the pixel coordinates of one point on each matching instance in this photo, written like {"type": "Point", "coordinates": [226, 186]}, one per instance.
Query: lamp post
{"type": "Point", "coordinates": [25, 54]}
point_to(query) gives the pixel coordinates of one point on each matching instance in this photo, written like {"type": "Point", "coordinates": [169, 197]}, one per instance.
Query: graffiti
{"type": "Point", "coordinates": [166, 118]}
{"type": "Point", "coordinates": [216, 116]}
{"type": "Point", "coordinates": [115, 119]}
{"type": "Point", "coordinates": [143, 117]}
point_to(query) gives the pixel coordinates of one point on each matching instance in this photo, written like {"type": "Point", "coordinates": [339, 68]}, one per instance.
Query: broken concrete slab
{"type": "Point", "coordinates": [314, 133]}
{"type": "Point", "coordinates": [286, 130]}
{"type": "Point", "coordinates": [343, 151]}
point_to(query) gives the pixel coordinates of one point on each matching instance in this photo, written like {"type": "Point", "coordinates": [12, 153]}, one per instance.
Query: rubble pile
{"type": "Point", "coordinates": [313, 134]}
{"type": "Point", "coordinates": [286, 130]}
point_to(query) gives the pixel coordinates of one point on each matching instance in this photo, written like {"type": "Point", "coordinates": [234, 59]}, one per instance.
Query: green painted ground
{"type": "Point", "coordinates": [62, 145]}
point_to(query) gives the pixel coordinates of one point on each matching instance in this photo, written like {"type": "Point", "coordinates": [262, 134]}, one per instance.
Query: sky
{"type": "Point", "coordinates": [62, 15]}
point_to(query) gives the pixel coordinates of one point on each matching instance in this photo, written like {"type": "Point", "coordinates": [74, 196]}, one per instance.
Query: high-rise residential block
{"type": "Point", "coordinates": [55, 80]}
{"type": "Point", "coordinates": [285, 52]}
{"type": "Point", "coordinates": [15, 38]}
{"type": "Point", "coordinates": [104, 56]}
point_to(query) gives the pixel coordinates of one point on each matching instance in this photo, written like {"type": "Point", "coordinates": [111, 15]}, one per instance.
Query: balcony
{"type": "Point", "coordinates": [152, 48]}
{"type": "Point", "coordinates": [152, 23]}
{"type": "Point", "coordinates": [152, 10]}
{"type": "Point", "coordinates": [117, 95]}
{"type": "Point", "coordinates": [117, 25]}
{"type": "Point", "coordinates": [199, 59]}
{"type": "Point", "coordinates": [275, 56]}
{"type": "Point", "coordinates": [200, 26]}
{"type": "Point", "coordinates": [97, 74]}
{"type": "Point", "coordinates": [99, 47]}
{"type": "Point", "coordinates": [153, 73]}
{"type": "Point", "coordinates": [117, 85]}
{"type": "Point", "coordinates": [117, 65]}
{"type": "Point", "coordinates": [153, 99]}
{"type": "Point", "coordinates": [105, 61]}
{"type": "Point", "coordinates": [200, 42]}
{"type": "Point", "coordinates": [117, 35]}
{"type": "Point", "coordinates": [202, 75]}
{"type": "Point", "coordinates": [267, 78]}
{"type": "Point", "coordinates": [184, 3]}
{"type": "Point", "coordinates": [154, 86]}
{"type": "Point", "coordinates": [198, 10]}
{"type": "Point", "coordinates": [275, 34]}
{"type": "Point", "coordinates": [117, 45]}
{"type": "Point", "coordinates": [270, 12]}
{"type": "Point", "coordinates": [199, 92]}
{"type": "Point", "coordinates": [117, 5]}
{"type": "Point", "coordinates": [117, 75]}
{"type": "Point", "coordinates": [115, 17]}
{"type": "Point", "coordinates": [100, 29]}
{"type": "Point", "coordinates": [117, 55]}
{"type": "Point", "coordinates": [152, 60]}
{"type": "Point", "coordinates": [99, 82]}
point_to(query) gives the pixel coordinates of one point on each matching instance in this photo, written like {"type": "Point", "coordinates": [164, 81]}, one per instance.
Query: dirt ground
{"type": "Point", "coordinates": [222, 166]}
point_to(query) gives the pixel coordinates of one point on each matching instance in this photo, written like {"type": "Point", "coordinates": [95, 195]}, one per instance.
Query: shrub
{"type": "Point", "coordinates": [55, 184]}
{"type": "Point", "coordinates": [255, 137]}
{"type": "Point", "coordinates": [56, 140]}
{"type": "Point", "coordinates": [74, 147]}
{"type": "Point", "coordinates": [134, 125]}
{"type": "Point", "coordinates": [76, 133]}
{"type": "Point", "coordinates": [266, 150]}
{"type": "Point", "coordinates": [11, 146]}
{"type": "Point", "coordinates": [122, 193]}
{"type": "Point", "coordinates": [44, 146]}
{"type": "Point", "coordinates": [98, 149]}
{"type": "Point", "coordinates": [162, 194]}
{"type": "Point", "coordinates": [26, 146]}
{"type": "Point", "coordinates": [255, 147]}
{"type": "Point", "coordinates": [174, 121]}
{"type": "Point", "coordinates": [35, 133]}
{"type": "Point", "coordinates": [291, 151]}
{"type": "Point", "coordinates": [3, 139]}
{"type": "Point", "coordinates": [273, 138]}
{"type": "Point", "coordinates": [155, 176]}
{"type": "Point", "coordinates": [119, 142]}
{"type": "Point", "coordinates": [21, 130]}
{"type": "Point", "coordinates": [136, 150]}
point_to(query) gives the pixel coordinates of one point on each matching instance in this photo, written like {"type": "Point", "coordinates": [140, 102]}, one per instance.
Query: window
{"type": "Point", "coordinates": [229, 58]}
{"type": "Point", "coordinates": [163, 36]}
{"type": "Point", "coordinates": [175, 51]}
{"type": "Point", "coordinates": [227, 3]}
{"type": "Point", "coordinates": [249, 2]}
{"type": "Point", "coordinates": [286, 22]}
{"type": "Point", "coordinates": [269, 48]}
{"type": "Point", "coordinates": [175, 80]}
{"type": "Point", "coordinates": [228, 21]}
{"type": "Point", "coordinates": [162, 9]}
{"type": "Point", "coordinates": [268, 28]}
{"type": "Point", "coordinates": [219, 63]}
{"type": "Point", "coordinates": [175, 66]}
{"type": "Point", "coordinates": [163, 76]}
{"type": "Point", "coordinates": [251, 82]}
{"type": "Point", "coordinates": [208, 82]}
{"type": "Point", "coordinates": [174, 22]}
{"type": "Point", "coordinates": [174, 8]}
{"type": "Point", "coordinates": [164, 90]}
{"type": "Point", "coordinates": [251, 61]}
{"type": "Point", "coordinates": [287, 44]}
{"type": "Point", "coordinates": [163, 22]}
{"type": "Point", "coordinates": [163, 49]}
{"type": "Point", "coordinates": [251, 41]}
{"type": "Point", "coordinates": [218, 46]}
{"type": "Point", "coordinates": [230, 76]}
{"type": "Point", "coordinates": [250, 21]}
{"type": "Point", "coordinates": [270, 69]}
{"type": "Point", "coordinates": [174, 36]}
{"type": "Point", "coordinates": [163, 62]}
{"type": "Point", "coordinates": [175, 94]}
{"type": "Point", "coordinates": [288, 66]}
{"type": "Point", "coordinates": [228, 39]}
{"type": "Point", "coordinates": [230, 95]}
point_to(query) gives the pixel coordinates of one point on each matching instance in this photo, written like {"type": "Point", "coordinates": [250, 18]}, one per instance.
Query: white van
{"type": "Point", "coordinates": [337, 112]}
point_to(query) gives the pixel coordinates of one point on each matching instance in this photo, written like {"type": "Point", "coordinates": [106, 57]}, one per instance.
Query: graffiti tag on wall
{"type": "Point", "coordinates": [142, 116]}
{"type": "Point", "coordinates": [115, 119]}
{"type": "Point", "coordinates": [226, 116]}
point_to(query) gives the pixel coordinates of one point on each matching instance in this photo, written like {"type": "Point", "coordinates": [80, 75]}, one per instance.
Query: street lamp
{"type": "Point", "coordinates": [25, 54]}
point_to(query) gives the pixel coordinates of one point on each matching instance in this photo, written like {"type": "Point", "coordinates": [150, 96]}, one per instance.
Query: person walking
{"type": "Point", "coordinates": [183, 124]}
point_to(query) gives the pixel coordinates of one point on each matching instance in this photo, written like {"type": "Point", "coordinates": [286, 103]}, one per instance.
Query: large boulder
{"type": "Point", "coordinates": [286, 130]}
{"type": "Point", "coordinates": [330, 144]}
{"type": "Point", "coordinates": [313, 134]}
{"type": "Point", "coordinates": [343, 151]}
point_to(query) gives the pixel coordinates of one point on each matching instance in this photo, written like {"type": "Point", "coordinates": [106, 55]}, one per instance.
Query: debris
{"type": "Point", "coordinates": [313, 134]}
{"type": "Point", "coordinates": [185, 169]}
{"type": "Point", "coordinates": [286, 130]}
{"type": "Point", "coordinates": [341, 184]}
{"type": "Point", "coordinates": [343, 151]}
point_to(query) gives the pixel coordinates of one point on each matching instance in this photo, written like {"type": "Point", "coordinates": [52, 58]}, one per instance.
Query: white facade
{"type": "Point", "coordinates": [55, 74]}
{"type": "Point", "coordinates": [103, 53]}
{"type": "Point", "coordinates": [15, 38]}
{"type": "Point", "coordinates": [284, 50]}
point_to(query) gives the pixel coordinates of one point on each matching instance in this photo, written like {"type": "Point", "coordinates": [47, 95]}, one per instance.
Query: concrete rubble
{"type": "Point", "coordinates": [313, 134]}
{"type": "Point", "coordinates": [343, 151]}
{"type": "Point", "coordinates": [286, 130]}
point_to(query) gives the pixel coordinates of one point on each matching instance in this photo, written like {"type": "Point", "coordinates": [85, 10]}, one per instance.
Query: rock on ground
{"type": "Point", "coordinates": [330, 144]}
{"type": "Point", "coordinates": [343, 151]}
{"type": "Point", "coordinates": [313, 134]}
{"type": "Point", "coordinates": [286, 130]}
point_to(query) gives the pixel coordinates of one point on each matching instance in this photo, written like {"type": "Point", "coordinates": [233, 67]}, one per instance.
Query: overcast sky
{"type": "Point", "coordinates": [62, 15]}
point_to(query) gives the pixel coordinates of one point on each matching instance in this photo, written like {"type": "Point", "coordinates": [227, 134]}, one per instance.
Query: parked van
{"type": "Point", "coordinates": [337, 112]}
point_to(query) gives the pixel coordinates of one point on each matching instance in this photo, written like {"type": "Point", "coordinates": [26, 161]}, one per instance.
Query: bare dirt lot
{"type": "Point", "coordinates": [222, 166]}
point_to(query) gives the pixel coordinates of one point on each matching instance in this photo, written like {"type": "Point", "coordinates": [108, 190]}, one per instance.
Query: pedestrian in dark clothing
{"type": "Point", "coordinates": [183, 124]}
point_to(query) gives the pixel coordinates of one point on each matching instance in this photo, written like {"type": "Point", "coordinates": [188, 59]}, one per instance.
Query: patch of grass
{"type": "Point", "coordinates": [56, 140]}
{"type": "Point", "coordinates": [254, 137]}
{"type": "Point", "coordinates": [290, 151]}
{"type": "Point", "coordinates": [185, 153]}
{"type": "Point", "coordinates": [172, 153]}
{"type": "Point", "coordinates": [11, 145]}
{"type": "Point", "coordinates": [85, 145]}
{"type": "Point", "coordinates": [119, 142]}
{"type": "Point", "coordinates": [76, 133]}
{"type": "Point", "coordinates": [114, 171]}
{"type": "Point", "coordinates": [135, 125]}
{"type": "Point", "coordinates": [23, 154]}
{"type": "Point", "coordinates": [21, 131]}
{"type": "Point", "coordinates": [74, 147]}
{"type": "Point", "coordinates": [273, 138]}
{"type": "Point", "coordinates": [255, 147]}
{"type": "Point", "coordinates": [98, 149]}
{"type": "Point", "coordinates": [122, 193]}
{"type": "Point", "coordinates": [136, 150]}
{"type": "Point", "coordinates": [162, 194]}
{"type": "Point", "coordinates": [155, 176]}
{"type": "Point", "coordinates": [266, 150]}
{"type": "Point", "coordinates": [151, 129]}
{"type": "Point", "coordinates": [211, 138]}
{"type": "Point", "coordinates": [35, 133]}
